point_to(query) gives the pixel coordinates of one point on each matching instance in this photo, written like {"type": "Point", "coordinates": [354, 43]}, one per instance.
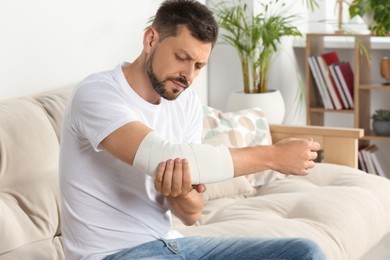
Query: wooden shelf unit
{"type": "Point", "coordinates": [363, 86]}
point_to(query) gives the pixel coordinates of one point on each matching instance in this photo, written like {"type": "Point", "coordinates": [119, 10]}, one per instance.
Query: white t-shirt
{"type": "Point", "coordinates": [108, 205]}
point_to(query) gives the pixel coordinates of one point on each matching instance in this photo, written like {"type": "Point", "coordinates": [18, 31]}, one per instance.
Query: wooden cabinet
{"type": "Point", "coordinates": [363, 84]}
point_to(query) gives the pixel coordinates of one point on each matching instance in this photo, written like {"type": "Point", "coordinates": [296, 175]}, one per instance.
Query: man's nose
{"type": "Point", "coordinates": [189, 74]}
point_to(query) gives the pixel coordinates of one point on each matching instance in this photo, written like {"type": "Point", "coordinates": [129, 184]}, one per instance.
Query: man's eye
{"type": "Point", "coordinates": [180, 58]}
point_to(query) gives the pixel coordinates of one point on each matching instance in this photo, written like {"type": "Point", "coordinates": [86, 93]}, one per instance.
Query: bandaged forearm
{"type": "Point", "coordinates": [208, 163]}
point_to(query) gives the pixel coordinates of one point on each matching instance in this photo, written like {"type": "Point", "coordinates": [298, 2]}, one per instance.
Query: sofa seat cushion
{"type": "Point", "coordinates": [29, 197]}
{"type": "Point", "coordinates": [343, 209]}
{"type": "Point", "coordinates": [47, 249]}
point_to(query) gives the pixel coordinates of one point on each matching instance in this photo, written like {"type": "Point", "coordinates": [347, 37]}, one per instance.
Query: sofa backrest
{"type": "Point", "coordinates": [29, 149]}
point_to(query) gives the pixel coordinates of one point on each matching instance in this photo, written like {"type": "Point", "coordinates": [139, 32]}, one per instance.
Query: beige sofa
{"type": "Point", "coordinates": [347, 212]}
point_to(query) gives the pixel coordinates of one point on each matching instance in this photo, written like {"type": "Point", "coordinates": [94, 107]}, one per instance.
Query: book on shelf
{"type": "Point", "coordinates": [327, 103]}
{"type": "Point", "coordinates": [365, 160]}
{"type": "Point", "coordinates": [345, 75]}
{"type": "Point", "coordinates": [334, 80]}
{"type": "Point", "coordinates": [370, 160]}
{"type": "Point", "coordinates": [361, 161]}
{"type": "Point", "coordinates": [367, 152]}
{"type": "Point", "coordinates": [337, 83]}
{"type": "Point", "coordinates": [324, 61]}
{"type": "Point", "coordinates": [377, 161]}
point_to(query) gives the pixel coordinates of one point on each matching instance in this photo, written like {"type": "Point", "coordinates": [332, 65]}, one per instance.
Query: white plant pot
{"type": "Point", "coordinates": [271, 103]}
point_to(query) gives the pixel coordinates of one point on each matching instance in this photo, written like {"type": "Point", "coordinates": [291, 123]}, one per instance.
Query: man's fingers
{"type": "Point", "coordinates": [310, 164]}
{"type": "Point", "coordinates": [167, 179]}
{"type": "Point", "coordinates": [173, 178]}
{"type": "Point", "coordinates": [200, 188]}
{"type": "Point", "coordinates": [159, 176]}
{"type": "Point", "coordinates": [313, 156]}
{"type": "Point", "coordinates": [314, 146]}
{"type": "Point", "coordinates": [177, 178]}
{"type": "Point", "coordinates": [187, 181]}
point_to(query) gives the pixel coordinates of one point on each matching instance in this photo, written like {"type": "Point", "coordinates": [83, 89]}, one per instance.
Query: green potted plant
{"type": "Point", "coordinates": [381, 122]}
{"type": "Point", "coordinates": [256, 37]}
{"type": "Point", "coordinates": [377, 13]}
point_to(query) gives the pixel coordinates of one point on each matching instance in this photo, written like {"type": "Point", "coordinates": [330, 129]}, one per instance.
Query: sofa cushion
{"type": "Point", "coordinates": [29, 199]}
{"type": "Point", "coordinates": [47, 249]}
{"type": "Point", "coordinates": [244, 128]}
{"type": "Point", "coordinates": [247, 127]}
{"type": "Point", "coordinates": [53, 102]}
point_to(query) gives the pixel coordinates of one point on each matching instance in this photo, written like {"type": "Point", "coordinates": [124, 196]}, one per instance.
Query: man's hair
{"type": "Point", "coordinates": [173, 14]}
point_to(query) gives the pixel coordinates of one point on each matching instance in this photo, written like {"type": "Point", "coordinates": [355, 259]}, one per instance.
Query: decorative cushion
{"type": "Point", "coordinates": [248, 127]}
{"type": "Point", "coordinates": [244, 128]}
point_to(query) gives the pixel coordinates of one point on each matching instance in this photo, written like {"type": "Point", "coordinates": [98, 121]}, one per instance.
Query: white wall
{"type": "Point", "coordinates": [46, 44]}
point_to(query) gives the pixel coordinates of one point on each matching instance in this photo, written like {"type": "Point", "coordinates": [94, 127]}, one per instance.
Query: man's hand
{"type": "Point", "coordinates": [173, 180]}
{"type": "Point", "coordinates": [295, 156]}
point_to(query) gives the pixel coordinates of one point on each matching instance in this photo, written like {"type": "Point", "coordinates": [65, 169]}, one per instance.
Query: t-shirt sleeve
{"type": "Point", "coordinates": [98, 109]}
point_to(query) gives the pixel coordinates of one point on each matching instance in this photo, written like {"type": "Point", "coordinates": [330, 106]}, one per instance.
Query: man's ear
{"type": "Point", "coordinates": [150, 39]}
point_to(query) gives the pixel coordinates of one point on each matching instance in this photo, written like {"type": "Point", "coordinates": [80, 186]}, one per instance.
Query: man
{"type": "Point", "coordinates": [131, 154]}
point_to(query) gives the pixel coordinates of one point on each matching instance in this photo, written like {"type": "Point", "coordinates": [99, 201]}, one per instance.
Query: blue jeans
{"type": "Point", "coordinates": [224, 248]}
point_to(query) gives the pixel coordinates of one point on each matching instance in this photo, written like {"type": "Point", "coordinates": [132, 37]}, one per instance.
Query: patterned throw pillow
{"type": "Point", "coordinates": [244, 128]}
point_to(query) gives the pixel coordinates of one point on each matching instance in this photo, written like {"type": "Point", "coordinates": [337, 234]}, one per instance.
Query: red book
{"type": "Point", "coordinates": [330, 57]}
{"type": "Point", "coordinates": [345, 75]}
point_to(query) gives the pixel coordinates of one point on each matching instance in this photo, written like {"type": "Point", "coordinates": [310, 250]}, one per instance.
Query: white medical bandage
{"type": "Point", "coordinates": [208, 163]}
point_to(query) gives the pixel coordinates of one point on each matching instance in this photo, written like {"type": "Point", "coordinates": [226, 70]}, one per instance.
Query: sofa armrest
{"type": "Point", "coordinates": [339, 145]}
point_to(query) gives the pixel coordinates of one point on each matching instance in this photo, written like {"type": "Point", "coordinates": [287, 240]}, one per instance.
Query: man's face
{"type": "Point", "coordinates": [175, 62]}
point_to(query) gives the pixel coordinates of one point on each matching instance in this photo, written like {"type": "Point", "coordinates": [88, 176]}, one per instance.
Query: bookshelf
{"type": "Point", "coordinates": [363, 85]}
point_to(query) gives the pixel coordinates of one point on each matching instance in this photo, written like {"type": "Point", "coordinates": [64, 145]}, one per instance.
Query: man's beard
{"type": "Point", "coordinates": [159, 86]}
